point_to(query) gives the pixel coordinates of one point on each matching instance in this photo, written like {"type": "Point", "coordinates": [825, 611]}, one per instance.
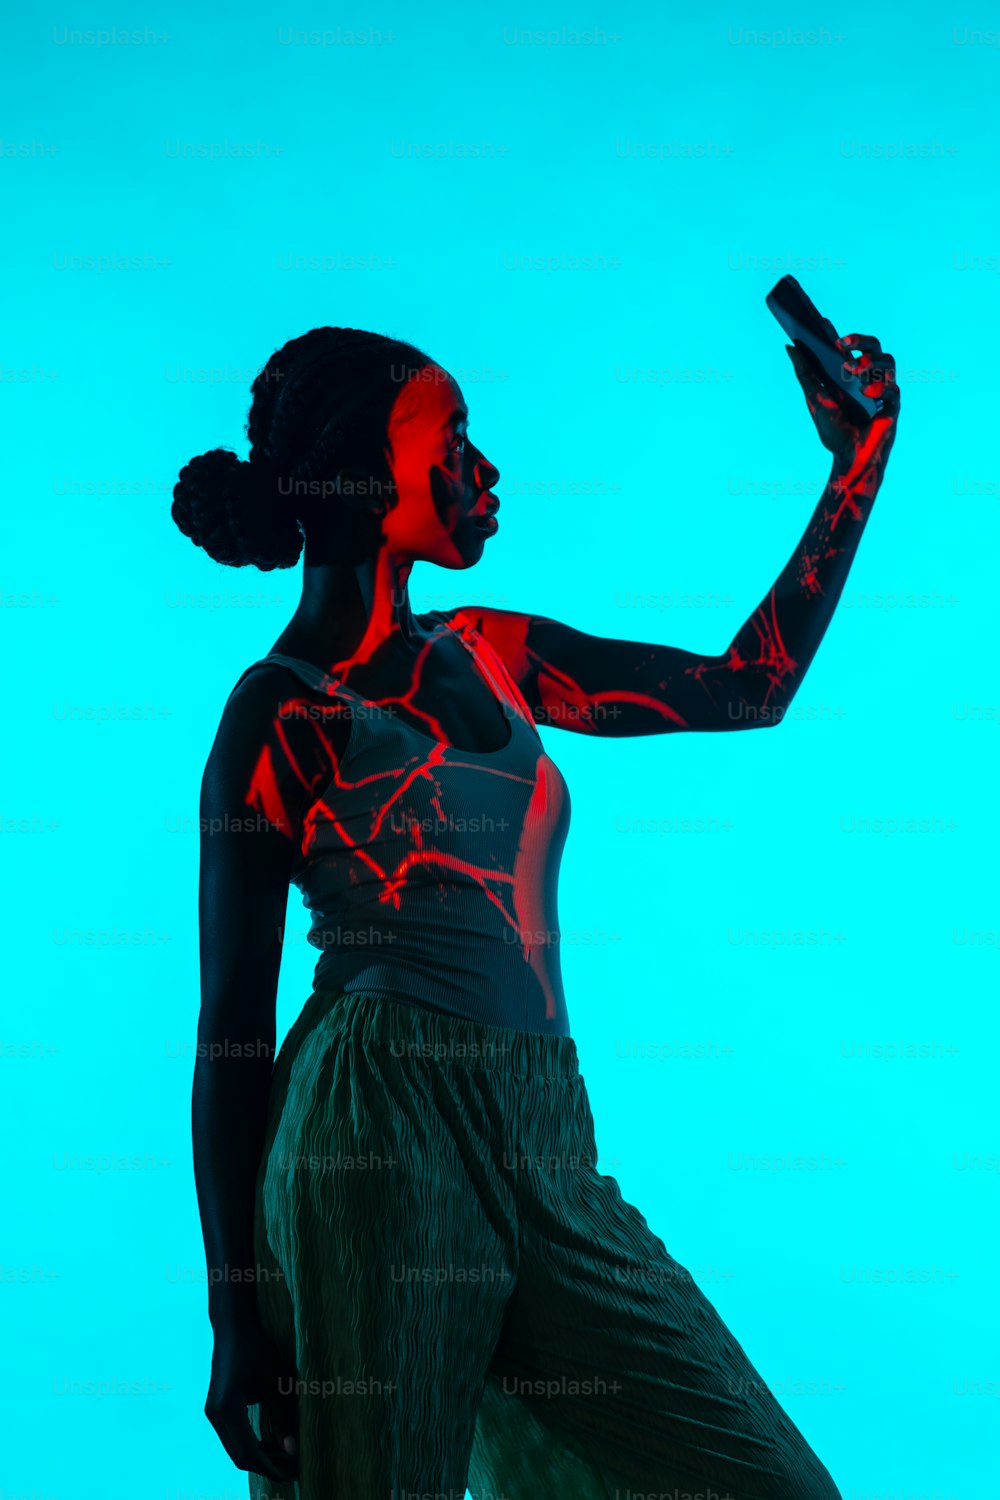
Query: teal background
{"type": "Point", "coordinates": [697, 479]}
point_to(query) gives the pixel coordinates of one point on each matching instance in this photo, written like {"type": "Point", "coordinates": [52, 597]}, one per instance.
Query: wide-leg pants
{"type": "Point", "coordinates": [468, 1301]}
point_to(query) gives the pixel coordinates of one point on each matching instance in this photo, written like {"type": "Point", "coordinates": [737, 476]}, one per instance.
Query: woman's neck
{"type": "Point", "coordinates": [348, 611]}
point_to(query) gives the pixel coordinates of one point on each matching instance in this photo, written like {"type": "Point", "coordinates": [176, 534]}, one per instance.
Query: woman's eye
{"type": "Point", "coordinates": [459, 440]}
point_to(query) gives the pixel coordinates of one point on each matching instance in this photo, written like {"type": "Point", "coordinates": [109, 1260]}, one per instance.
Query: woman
{"type": "Point", "coordinates": [418, 1279]}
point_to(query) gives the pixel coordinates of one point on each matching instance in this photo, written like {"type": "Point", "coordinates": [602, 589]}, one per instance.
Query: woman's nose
{"type": "Point", "coordinates": [487, 474]}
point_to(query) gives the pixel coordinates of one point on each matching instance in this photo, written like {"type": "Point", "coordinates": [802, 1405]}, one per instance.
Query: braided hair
{"type": "Point", "coordinates": [321, 402]}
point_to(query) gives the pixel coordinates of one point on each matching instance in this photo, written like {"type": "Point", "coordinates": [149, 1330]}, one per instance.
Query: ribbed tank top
{"type": "Point", "coordinates": [431, 872]}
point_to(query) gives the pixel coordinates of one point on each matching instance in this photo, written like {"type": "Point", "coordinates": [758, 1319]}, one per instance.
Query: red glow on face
{"type": "Point", "coordinates": [439, 474]}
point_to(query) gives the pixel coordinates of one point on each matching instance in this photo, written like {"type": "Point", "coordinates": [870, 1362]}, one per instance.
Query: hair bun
{"type": "Point", "coordinates": [321, 403]}
{"type": "Point", "coordinates": [231, 508]}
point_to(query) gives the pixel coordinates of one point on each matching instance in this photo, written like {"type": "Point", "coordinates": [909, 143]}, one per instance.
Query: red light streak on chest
{"type": "Point", "coordinates": [518, 894]}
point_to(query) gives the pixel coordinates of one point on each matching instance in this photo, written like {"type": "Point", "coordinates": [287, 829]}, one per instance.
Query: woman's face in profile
{"type": "Point", "coordinates": [442, 479]}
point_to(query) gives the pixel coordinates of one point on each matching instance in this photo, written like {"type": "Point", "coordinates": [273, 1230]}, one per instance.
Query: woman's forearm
{"type": "Point", "coordinates": [771, 653]}
{"type": "Point", "coordinates": [232, 1079]}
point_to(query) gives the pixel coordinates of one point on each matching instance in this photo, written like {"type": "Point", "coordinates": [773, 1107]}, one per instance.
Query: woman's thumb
{"type": "Point", "coordinates": [285, 1420]}
{"type": "Point", "coordinates": [805, 375]}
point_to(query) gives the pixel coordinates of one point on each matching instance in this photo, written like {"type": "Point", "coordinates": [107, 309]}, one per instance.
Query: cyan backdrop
{"type": "Point", "coordinates": [579, 213]}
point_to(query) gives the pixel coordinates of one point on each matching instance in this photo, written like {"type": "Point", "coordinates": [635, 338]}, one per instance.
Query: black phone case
{"type": "Point", "coordinates": [805, 327]}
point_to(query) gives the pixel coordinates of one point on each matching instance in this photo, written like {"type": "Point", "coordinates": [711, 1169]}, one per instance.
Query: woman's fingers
{"type": "Point", "coordinates": [875, 370]}
{"type": "Point", "coordinates": [250, 1453]}
{"type": "Point", "coordinates": [866, 341]}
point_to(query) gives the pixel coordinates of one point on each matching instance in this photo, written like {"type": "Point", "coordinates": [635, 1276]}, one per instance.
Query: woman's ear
{"type": "Point", "coordinates": [371, 494]}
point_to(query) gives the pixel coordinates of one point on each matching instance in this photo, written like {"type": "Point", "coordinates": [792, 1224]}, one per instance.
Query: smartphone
{"type": "Point", "coordinates": [808, 330]}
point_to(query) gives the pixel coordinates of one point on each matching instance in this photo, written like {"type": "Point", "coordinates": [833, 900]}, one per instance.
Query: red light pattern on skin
{"type": "Point", "coordinates": [508, 637]}
{"type": "Point", "coordinates": [499, 665]}
{"type": "Point", "coordinates": [529, 873]}
{"type": "Point", "coordinates": [517, 894]}
{"type": "Point", "coordinates": [848, 502]}
{"type": "Point", "coordinates": [568, 677]}
{"type": "Point", "coordinates": [772, 656]}
{"type": "Point", "coordinates": [432, 724]}
{"type": "Point", "coordinates": [538, 668]}
{"type": "Point", "coordinates": [264, 795]}
{"type": "Point", "coordinates": [542, 671]}
{"type": "Point", "coordinates": [562, 697]}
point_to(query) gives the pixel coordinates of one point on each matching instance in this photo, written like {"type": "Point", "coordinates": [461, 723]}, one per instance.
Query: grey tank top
{"type": "Point", "coordinates": [431, 872]}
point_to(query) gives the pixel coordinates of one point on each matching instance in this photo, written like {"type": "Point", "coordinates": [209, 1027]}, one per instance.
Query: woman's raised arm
{"type": "Point", "coordinates": [598, 685]}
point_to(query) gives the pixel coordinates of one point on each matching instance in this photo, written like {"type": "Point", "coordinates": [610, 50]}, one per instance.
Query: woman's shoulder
{"type": "Point", "coordinates": [279, 673]}
{"type": "Point", "coordinates": [266, 734]}
{"type": "Point", "coordinates": [261, 678]}
{"type": "Point", "coordinates": [268, 695]}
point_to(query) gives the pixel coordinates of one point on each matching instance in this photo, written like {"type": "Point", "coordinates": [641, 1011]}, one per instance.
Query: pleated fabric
{"type": "Point", "coordinates": [468, 1301]}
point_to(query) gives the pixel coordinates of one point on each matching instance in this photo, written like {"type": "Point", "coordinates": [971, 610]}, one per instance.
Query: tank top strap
{"type": "Point", "coordinates": [486, 659]}
{"type": "Point", "coordinates": [314, 677]}
{"type": "Point", "coordinates": [262, 662]}
{"type": "Point", "coordinates": [490, 662]}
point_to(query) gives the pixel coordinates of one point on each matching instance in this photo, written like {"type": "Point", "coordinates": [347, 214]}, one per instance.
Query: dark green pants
{"type": "Point", "coordinates": [468, 1301]}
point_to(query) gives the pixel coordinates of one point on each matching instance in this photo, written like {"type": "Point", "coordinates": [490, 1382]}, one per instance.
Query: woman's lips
{"type": "Point", "coordinates": [487, 522]}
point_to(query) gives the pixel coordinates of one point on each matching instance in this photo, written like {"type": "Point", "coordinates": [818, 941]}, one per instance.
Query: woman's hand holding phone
{"type": "Point", "coordinates": [847, 438]}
